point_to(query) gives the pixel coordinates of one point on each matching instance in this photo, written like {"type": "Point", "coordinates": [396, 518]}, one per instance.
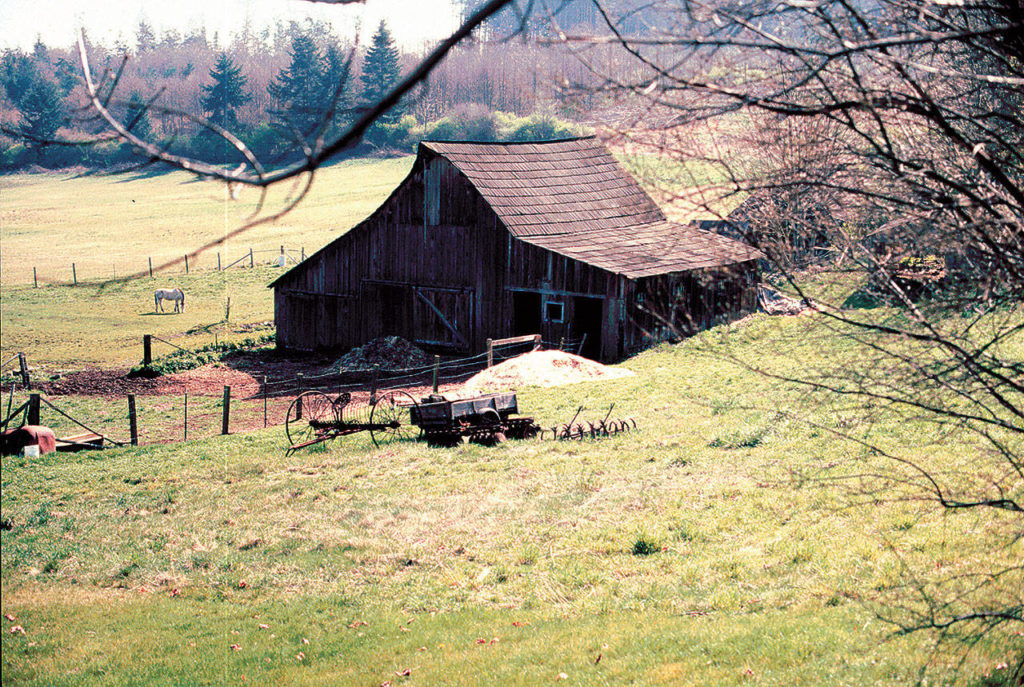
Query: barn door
{"type": "Point", "coordinates": [443, 317]}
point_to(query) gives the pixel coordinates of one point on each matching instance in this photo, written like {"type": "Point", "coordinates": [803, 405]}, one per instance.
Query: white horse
{"type": "Point", "coordinates": [175, 294]}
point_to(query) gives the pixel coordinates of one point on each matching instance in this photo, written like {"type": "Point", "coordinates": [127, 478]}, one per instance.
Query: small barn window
{"type": "Point", "coordinates": [554, 311]}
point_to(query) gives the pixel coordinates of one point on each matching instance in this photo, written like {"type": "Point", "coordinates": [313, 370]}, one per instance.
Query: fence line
{"type": "Point", "coordinates": [190, 264]}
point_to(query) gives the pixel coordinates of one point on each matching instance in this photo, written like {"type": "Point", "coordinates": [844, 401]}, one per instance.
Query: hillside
{"type": "Point", "coordinates": [727, 541]}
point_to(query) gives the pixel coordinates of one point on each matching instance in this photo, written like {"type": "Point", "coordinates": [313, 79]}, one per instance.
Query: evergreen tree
{"type": "Point", "coordinates": [145, 39]}
{"type": "Point", "coordinates": [381, 71]}
{"type": "Point", "coordinates": [337, 70]}
{"type": "Point", "coordinates": [226, 94]}
{"type": "Point", "coordinates": [42, 112]}
{"type": "Point", "coordinates": [136, 117]}
{"type": "Point", "coordinates": [299, 88]}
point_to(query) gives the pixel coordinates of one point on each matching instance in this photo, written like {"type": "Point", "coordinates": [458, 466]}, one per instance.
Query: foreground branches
{"type": "Point", "coordinates": [875, 153]}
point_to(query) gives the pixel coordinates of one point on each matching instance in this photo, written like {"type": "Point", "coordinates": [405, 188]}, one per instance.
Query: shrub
{"type": "Point", "coordinates": [644, 546]}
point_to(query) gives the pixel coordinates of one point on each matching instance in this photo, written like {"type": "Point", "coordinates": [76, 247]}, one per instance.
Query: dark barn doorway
{"type": "Point", "coordinates": [587, 319]}
{"type": "Point", "coordinates": [525, 313]}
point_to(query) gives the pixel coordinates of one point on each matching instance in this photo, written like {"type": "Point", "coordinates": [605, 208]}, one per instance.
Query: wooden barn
{"type": "Point", "coordinates": [490, 240]}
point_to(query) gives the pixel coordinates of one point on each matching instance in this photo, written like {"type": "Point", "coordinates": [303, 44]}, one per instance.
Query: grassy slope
{"type": "Point", "coordinates": [760, 577]}
{"type": "Point", "coordinates": [114, 224]}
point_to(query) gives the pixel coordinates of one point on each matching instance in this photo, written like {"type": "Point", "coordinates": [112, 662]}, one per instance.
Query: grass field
{"type": "Point", "coordinates": [686, 553]}
{"type": "Point", "coordinates": [111, 225]}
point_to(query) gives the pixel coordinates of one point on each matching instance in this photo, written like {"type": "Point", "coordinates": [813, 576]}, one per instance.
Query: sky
{"type": "Point", "coordinates": [412, 22]}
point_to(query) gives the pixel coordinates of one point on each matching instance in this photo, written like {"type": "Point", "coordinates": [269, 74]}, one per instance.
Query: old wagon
{"type": "Point", "coordinates": [483, 419]}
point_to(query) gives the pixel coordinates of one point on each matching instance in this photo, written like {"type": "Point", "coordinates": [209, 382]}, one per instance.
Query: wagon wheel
{"type": "Point", "coordinates": [310, 417]}
{"type": "Point", "coordinates": [393, 412]}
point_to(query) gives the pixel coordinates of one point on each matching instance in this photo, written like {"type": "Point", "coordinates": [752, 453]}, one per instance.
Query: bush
{"type": "Point", "coordinates": [645, 547]}
{"type": "Point", "coordinates": [397, 136]}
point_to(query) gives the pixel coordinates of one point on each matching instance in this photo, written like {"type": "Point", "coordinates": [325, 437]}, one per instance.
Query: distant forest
{"type": "Point", "coordinates": [271, 86]}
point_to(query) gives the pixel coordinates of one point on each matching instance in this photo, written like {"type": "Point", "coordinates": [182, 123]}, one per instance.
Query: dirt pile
{"type": "Point", "coordinates": [541, 368]}
{"type": "Point", "coordinates": [390, 352]}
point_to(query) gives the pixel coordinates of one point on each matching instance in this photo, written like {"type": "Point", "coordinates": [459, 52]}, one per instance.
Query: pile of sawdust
{"type": "Point", "coordinates": [540, 368]}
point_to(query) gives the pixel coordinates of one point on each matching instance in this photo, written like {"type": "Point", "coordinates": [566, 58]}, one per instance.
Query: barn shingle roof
{"type": "Point", "coordinates": [572, 197]}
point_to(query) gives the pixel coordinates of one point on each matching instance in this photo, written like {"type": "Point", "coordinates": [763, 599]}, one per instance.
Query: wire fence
{"type": "Point", "coordinates": [183, 416]}
{"type": "Point", "coordinates": [92, 270]}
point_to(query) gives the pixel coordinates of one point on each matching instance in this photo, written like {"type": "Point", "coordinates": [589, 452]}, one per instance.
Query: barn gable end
{"type": "Point", "coordinates": [492, 240]}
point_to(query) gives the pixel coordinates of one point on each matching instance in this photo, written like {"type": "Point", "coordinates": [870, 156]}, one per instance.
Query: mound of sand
{"type": "Point", "coordinates": [540, 368]}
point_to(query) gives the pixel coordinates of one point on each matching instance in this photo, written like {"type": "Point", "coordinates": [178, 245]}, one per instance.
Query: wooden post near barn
{"type": "Point", "coordinates": [298, 399]}
{"type": "Point", "coordinates": [490, 352]}
{"type": "Point", "coordinates": [373, 384]}
{"type": "Point", "coordinates": [74, 274]}
{"type": "Point", "coordinates": [133, 426]}
{"type": "Point", "coordinates": [227, 410]}
{"type": "Point", "coordinates": [264, 401]}
{"type": "Point", "coordinates": [23, 365]}
{"type": "Point", "coordinates": [33, 409]}
{"type": "Point", "coordinates": [437, 370]}
{"type": "Point", "coordinates": [147, 350]}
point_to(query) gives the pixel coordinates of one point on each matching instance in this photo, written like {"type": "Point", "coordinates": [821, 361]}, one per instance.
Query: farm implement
{"type": "Point", "coordinates": [484, 420]}
{"type": "Point", "coordinates": [588, 429]}
{"type": "Point", "coordinates": [314, 417]}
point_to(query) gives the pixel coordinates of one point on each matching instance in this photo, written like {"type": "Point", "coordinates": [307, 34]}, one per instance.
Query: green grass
{"type": "Point", "coordinates": [109, 226]}
{"type": "Point", "coordinates": [66, 327]}
{"type": "Point", "coordinates": [116, 564]}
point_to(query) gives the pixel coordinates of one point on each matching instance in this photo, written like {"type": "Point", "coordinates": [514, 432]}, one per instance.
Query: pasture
{"type": "Point", "coordinates": [690, 552]}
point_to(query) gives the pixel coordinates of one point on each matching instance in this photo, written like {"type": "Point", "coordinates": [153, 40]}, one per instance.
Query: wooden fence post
{"type": "Point", "coordinates": [147, 350]}
{"type": "Point", "coordinates": [437, 370]}
{"type": "Point", "coordinates": [490, 352]}
{"type": "Point", "coordinates": [227, 410]}
{"type": "Point", "coordinates": [227, 310]}
{"type": "Point", "coordinates": [186, 264]}
{"type": "Point", "coordinates": [373, 384]}
{"type": "Point", "coordinates": [186, 416]}
{"type": "Point", "coordinates": [133, 426]}
{"type": "Point", "coordinates": [74, 274]}
{"type": "Point", "coordinates": [35, 279]}
{"type": "Point", "coordinates": [298, 399]}
{"type": "Point", "coordinates": [264, 401]}
{"type": "Point", "coordinates": [23, 364]}
{"type": "Point", "coordinates": [250, 258]}
{"type": "Point", "coordinates": [151, 268]}
{"type": "Point", "coordinates": [33, 409]}
{"type": "Point", "coordinates": [218, 261]}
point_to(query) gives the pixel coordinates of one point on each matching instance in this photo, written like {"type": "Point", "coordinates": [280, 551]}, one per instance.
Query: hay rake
{"type": "Point", "coordinates": [314, 417]}
{"type": "Point", "coordinates": [587, 429]}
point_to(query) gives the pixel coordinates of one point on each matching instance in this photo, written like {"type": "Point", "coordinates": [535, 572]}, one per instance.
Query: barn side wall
{"type": "Point", "coordinates": [428, 269]}
{"type": "Point", "coordinates": [673, 306]}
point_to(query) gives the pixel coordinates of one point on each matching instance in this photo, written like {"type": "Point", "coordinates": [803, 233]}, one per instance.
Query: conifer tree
{"type": "Point", "coordinates": [136, 117]}
{"type": "Point", "coordinates": [381, 71]}
{"type": "Point", "coordinates": [227, 92]}
{"type": "Point", "coordinates": [299, 88]}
